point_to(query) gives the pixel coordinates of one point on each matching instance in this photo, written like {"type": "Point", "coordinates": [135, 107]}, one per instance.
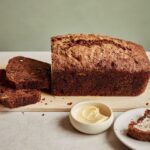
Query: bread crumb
{"type": "Point", "coordinates": [45, 103]}
{"type": "Point", "coordinates": [43, 99]}
{"type": "Point", "coordinates": [147, 104]}
{"type": "Point", "coordinates": [70, 103]}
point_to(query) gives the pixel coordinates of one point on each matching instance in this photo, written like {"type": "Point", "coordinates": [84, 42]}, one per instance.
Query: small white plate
{"type": "Point", "coordinates": [121, 125]}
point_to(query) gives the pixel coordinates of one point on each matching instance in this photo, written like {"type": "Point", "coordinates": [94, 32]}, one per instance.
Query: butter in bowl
{"type": "Point", "coordinates": [91, 117]}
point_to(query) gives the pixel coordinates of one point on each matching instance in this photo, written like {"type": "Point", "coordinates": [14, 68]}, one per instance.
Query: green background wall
{"type": "Point", "coordinates": [27, 25]}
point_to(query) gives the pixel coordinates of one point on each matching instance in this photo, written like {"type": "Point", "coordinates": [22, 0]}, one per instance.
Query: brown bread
{"type": "Point", "coordinates": [98, 65]}
{"type": "Point", "coordinates": [139, 134]}
{"type": "Point", "coordinates": [26, 73]}
{"type": "Point", "coordinates": [12, 98]}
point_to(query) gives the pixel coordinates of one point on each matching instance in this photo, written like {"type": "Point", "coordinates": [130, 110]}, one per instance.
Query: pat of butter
{"type": "Point", "coordinates": [144, 125]}
{"type": "Point", "coordinates": [90, 114]}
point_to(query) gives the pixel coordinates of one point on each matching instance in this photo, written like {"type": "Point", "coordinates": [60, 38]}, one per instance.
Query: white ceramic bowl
{"type": "Point", "coordinates": [91, 128]}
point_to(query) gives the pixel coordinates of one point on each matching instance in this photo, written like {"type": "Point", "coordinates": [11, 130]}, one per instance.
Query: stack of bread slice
{"type": "Point", "coordinates": [21, 82]}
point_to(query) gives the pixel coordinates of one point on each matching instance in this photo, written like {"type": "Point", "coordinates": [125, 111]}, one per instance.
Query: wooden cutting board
{"type": "Point", "coordinates": [64, 103]}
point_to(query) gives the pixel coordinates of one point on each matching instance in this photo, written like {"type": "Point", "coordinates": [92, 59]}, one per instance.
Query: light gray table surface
{"type": "Point", "coordinates": [48, 130]}
{"type": "Point", "coordinates": [53, 131]}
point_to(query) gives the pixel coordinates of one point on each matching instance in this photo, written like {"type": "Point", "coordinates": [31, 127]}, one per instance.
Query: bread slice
{"type": "Point", "coordinates": [12, 98]}
{"type": "Point", "coordinates": [140, 130]}
{"type": "Point", "coordinates": [26, 73]}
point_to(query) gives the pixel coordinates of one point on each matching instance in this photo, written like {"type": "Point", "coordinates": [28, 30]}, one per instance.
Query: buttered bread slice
{"type": "Point", "coordinates": [140, 130]}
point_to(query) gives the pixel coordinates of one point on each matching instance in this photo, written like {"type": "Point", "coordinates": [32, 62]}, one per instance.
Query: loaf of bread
{"type": "Point", "coordinates": [98, 65]}
{"type": "Point", "coordinates": [12, 98]}
{"type": "Point", "coordinates": [26, 73]}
